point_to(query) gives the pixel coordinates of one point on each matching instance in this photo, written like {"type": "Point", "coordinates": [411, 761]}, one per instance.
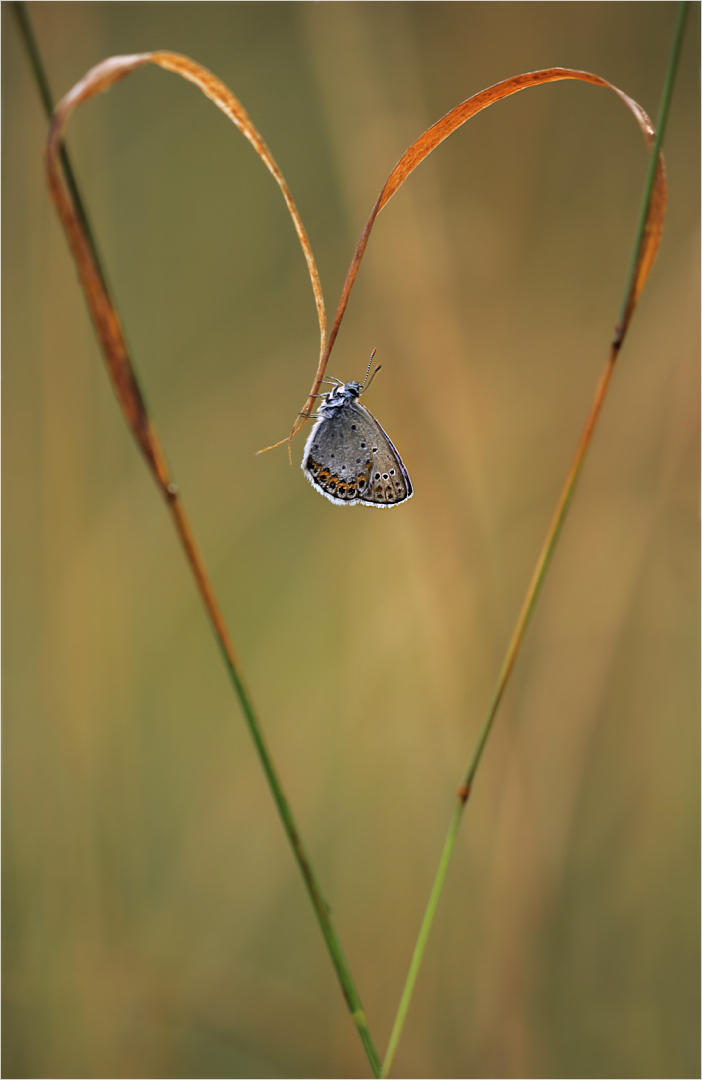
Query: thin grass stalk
{"type": "Point", "coordinates": [548, 547]}
{"type": "Point", "coordinates": [150, 446]}
{"type": "Point", "coordinates": [319, 903]}
{"type": "Point", "coordinates": [35, 62]}
{"type": "Point", "coordinates": [630, 292]}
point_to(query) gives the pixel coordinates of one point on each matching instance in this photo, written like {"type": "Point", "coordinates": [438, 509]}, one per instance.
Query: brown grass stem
{"type": "Point", "coordinates": [112, 341]}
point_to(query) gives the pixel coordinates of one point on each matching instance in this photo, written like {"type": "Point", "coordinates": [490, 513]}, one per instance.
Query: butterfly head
{"type": "Point", "coordinates": [338, 397]}
{"type": "Point", "coordinates": [350, 390]}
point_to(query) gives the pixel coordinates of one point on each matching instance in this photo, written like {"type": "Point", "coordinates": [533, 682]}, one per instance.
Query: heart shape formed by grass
{"type": "Point", "coordinates": [126, 385]}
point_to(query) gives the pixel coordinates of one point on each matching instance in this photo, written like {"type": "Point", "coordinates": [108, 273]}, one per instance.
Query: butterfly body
{"type": "Point", "coordinates": [348, 457]}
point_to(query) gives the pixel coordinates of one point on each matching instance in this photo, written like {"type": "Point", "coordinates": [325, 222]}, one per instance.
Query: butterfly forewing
{"type": "Point", "coordinates": [389, 482]}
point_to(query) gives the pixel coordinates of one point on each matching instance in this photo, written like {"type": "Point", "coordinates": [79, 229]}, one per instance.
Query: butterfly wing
{"type": "Point", "coordinates": [389, 480]}
{"type": "Point", "coordinates": [349, 459]}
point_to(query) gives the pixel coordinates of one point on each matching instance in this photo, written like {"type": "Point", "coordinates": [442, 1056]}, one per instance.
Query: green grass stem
{"type": "Point", "coordinates": [39, 72]}
{"type": "Point", "coordinates": [544, 559]}
{"type": "Point", "coordinates": [194, 559]}
{"type": "Point", "coordinates": [661, 125]}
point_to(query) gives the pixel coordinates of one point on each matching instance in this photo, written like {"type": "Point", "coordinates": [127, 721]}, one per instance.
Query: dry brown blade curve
{"type": "Point", "coordinates": [105, 318]}
{"type": "Point", "coordinates": [444, 127]}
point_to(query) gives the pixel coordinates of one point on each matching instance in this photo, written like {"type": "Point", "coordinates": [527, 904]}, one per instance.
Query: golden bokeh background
{"type": "Point", "coordinates": [155, 924]}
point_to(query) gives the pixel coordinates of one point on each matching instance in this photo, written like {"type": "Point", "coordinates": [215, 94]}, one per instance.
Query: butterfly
{"type": "Point", "coordinates": [348, 457]}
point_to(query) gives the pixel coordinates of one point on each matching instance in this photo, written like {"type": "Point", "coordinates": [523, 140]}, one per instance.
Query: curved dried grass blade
{"type": "Point", "coordinates": [444, 127]}
{"type": "Point", "coordinates": [223, 98]}
{"type": "Point", "coordinates": [105, 318]}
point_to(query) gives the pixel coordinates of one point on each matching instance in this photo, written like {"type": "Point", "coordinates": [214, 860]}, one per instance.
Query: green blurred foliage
{"type": "Point", "coordinates": [155, 924]}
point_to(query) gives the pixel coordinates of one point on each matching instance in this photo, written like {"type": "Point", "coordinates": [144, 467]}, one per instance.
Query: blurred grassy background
{"type": "Point", "coordinates": [155, 924]}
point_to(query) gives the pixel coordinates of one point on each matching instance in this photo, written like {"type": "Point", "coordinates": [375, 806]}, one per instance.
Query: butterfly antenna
{"type": "Point", "coordinates": [369, 367]}
{"type": "Point", "coordinates": [364, 387]}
